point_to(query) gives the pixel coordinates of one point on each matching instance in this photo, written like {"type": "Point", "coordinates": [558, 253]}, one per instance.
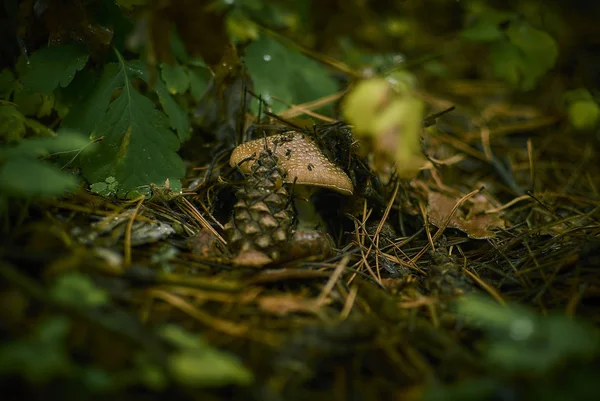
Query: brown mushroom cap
{"type": "Point", "coordinates": [300, 157]}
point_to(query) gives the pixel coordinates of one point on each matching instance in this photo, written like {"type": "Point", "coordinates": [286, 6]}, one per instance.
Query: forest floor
{"type": "Point", "coordinates": [478, 279]}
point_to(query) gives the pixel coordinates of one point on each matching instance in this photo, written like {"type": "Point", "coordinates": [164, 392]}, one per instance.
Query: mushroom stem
{"type": "Point", "coordinates": [308, 219]}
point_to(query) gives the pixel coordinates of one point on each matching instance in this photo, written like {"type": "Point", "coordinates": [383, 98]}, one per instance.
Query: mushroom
{"type": "Point", "coordinates": [305, 166]}
{"type": "Point", "coordinates": [300, 157]}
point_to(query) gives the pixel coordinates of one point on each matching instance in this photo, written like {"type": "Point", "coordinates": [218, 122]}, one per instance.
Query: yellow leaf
{"type": "Point", "coordinates": [397, 132]}
{"type": "Point", "coordinates": [364, 102]}
{"type": "Point", "coordinates": [392, 118]}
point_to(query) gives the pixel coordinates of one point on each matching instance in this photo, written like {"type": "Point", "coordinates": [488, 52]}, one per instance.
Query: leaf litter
{"type": "Point", "coordinates": [139, 295]}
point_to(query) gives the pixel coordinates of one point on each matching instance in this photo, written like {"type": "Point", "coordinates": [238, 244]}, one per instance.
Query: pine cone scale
{"type": "Point", "coordinates": [262, 217]}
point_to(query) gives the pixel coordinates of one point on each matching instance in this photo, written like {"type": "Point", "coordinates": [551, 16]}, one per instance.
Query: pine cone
{"type": "Point", "coordinates": [262, 217]}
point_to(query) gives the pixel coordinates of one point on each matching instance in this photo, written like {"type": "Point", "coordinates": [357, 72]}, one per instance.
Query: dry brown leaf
{"type": "Point", "coordinates": [476, 226]}
{"type": "Point", "coordinates": [204, 243]}
{"type": "Point", "coordinates": [285, 304]}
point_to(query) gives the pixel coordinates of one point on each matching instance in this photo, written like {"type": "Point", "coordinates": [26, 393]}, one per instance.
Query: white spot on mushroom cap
{"type": "Point", "coordinates": [300, 157]}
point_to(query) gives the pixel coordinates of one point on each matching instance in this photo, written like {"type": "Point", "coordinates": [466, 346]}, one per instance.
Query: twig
{"type": "Point", "coordinates": [350, 299]}
{"type": "Point", "coordinates": [380, 227]}
{"type": "Point", "coordinates": [220, 325]}
{"type": "Point", "coordinates": [339, 269]}
{"type": "Point", "coordinates": [186, 206]}
{"type": "Point", "coordinates": [127, 250]}
{"type": "Point", "coordinates": [491, 290]}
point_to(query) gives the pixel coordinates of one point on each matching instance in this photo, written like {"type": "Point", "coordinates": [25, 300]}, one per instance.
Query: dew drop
{"type": "Point", "coordinates": [267, 57]}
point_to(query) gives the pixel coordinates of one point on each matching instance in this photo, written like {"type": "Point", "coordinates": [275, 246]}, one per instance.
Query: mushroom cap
{"type": "Point", "coordinates": [301, 159]}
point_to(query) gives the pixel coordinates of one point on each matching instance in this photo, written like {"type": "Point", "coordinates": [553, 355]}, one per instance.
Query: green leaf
{"type": "Point", "coordinates": [577, 94]}
{"type": "Point", "coordinates": [34, 104]}
{"type": "Point", "coordinates": [199, 79]}
{"type": "Point", "coordinates": [175, 78]}
{"type": "Point", "coordinates": [582, 108]}
{"type": "Point", "coordinates": [7, 83]}
{"type": "Point", "coordinates": [525, 57]}
{"type": "Point", "coordinates": [584, 114]}
{"type": "Point", "coordinates": [507, 62]}
{"type": "Point", "coordinates": [100, 188]}
{"type": "Point", "coordinates": [107, 188]}
{"type": "Point", "coordinates": [46, 107]}
{"type": "Point", "coordinates": [85, 115]}
{"type": "Point", "coordinates": [138, 147]}
{"type": "Point", "coordinates": [486, 25]}
{"type": "Point", "coordinates": [208, 368]}
{"type": "Point", "coordinates": [12, 122]}
{"type": "Point", "coordinates": [23, 175]}
{"type": "Point", "coordinates": [29, 177]}
{"type": "Point", "coordinates": [181, 338]}
{"type": "Point", "coordinates": [42, 356]}
{"type": "Point", "coordinates": [240, 27]}
{"type": "Point", "coordinates": [197, 364]}
{"type": "Point", "coordinates": [75, 94]}
{"type": "Point", "coordinates": [178, 48]}
{"type": "Point", "coordinates": [53, 66]}
{"type": "Point", "coordinates": [468, 390]}
{"type": "Point", "coordinates": [286, 74]}
{"type": "Point", "coordinates": [520, 340]}
{"type": "Point", "coordinates": [38, 128]}
{"type": "Point", "coordinates": [96, 379]}
{"type": "Point", "coordinates": [538, 48]}
{"type": "Point", "coordinates": [150, 373]}
{"type": "Point", "coordinates": [78, 290]}
{"type": "Point", "coordinates": [67, 141]}
{"type": "Point", "coordinates": [178, 119]}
